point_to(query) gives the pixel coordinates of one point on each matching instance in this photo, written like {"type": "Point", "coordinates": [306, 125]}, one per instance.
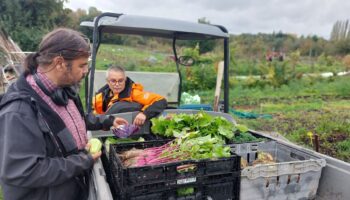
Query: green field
{"type": "Point", "coordinates": [298, 110]}
{"type": "Point", "coordinates": [143, 59]}
{"type": "Point", "coordinates": [297, 121]}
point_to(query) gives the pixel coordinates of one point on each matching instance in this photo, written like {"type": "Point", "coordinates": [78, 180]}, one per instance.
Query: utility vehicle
{"type": "Point", "coordinates": [336, 173]}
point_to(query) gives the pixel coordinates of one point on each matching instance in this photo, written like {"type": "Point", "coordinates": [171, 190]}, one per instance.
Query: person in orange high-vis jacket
{"type": "Point", "coordinates": [120, 88]}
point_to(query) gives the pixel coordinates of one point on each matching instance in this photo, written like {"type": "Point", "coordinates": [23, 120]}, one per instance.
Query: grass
{"type": "Point", "coordinates": [296, 106]}
{"type": "Point", "coordinates": [134, 58]}
{"type": "Point", "coordinates": [339, 87]}
{"type": "Point", "coordinates": [297, 120]}
{"type": "Point", "coordinates": [316, 90]}
{"type": "Point", "coordinates": [332, 125]}
{"type": "Point", "coordinates": [248, 67]}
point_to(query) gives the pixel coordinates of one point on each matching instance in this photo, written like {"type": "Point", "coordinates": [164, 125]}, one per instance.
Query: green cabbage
{"type": "Point", "coordinates": [96, 145]}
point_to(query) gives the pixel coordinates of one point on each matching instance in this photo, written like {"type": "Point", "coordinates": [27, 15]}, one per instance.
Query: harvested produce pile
{"type": "Point", "coordinates": [178, 124]}
{"type": "Point", "coordinates": [205, 124]}
{"type": "Point", "coordinates": [190, 146]}
{"type": "Point", "coordinates": [197, 136]}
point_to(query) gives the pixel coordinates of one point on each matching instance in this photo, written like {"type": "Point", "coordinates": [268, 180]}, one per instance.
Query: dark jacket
{"type": "Point", "coordinates": [38, 156]}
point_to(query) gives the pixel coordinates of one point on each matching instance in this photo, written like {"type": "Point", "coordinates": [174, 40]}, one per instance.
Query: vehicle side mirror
{"type": "Point", "coordinates": [186, 60]}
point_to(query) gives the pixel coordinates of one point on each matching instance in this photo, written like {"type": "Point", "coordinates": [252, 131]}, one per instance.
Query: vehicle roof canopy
{"type": "Point", "coordinates": [158, 27]}
{"type": "Point", "coordinates": [155, 27]}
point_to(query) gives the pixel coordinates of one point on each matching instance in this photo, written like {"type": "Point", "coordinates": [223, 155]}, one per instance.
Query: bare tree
{"type": "Point", "coordinates": [10, 53]}
{"type": "Point", "coordinates": [10, 50]}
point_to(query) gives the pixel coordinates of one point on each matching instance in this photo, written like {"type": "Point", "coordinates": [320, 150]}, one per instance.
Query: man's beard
{"type": "Point", "coordinates": [67, 80]}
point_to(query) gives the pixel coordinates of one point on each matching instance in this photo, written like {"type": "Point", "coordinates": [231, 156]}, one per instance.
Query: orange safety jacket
{"type": "Point", "coordinates": [152, 104]}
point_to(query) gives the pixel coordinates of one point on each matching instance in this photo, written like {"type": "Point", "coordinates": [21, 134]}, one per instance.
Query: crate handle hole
{"type": "Point", "coordinates": [298, 179]}
{"type": "Point", "coordinates": [288, 181]}
{"type": "Point", "coordinates": [186, 191]}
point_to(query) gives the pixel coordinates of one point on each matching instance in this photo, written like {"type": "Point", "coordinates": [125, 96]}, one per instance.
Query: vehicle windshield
{"type": "Point", "coordinates": [139, 55]}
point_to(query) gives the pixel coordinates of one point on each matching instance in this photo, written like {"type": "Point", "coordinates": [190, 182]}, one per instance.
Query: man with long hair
{"type": "Point", "coordinates": [43, 128]}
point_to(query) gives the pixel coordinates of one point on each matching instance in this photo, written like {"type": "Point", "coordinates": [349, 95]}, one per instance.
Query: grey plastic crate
{"type": "Point", "coordinates": [295, 175]}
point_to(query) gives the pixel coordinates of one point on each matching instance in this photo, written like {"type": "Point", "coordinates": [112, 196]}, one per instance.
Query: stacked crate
{"type": "Point", "coordinates": [206, 179]}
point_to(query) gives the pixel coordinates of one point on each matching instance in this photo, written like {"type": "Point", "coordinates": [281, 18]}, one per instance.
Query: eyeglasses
{"type": "Point", "coordinates": [115, 82]}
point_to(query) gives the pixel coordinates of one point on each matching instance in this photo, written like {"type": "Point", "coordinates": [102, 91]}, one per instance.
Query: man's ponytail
{"type": "Point", "coordinates": [31, 63]}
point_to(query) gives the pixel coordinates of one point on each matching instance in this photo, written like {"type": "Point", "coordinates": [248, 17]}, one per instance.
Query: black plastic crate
{"type": "Point", "coordinates": [218, 189]}
{"type": "Point", "coordinates": [164, 175]}
{"type": "Point", "coordinates": [167, 185]}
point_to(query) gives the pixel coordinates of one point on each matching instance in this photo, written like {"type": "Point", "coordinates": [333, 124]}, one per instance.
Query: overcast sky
{"type": "Point", "coordinates": [301, 17]}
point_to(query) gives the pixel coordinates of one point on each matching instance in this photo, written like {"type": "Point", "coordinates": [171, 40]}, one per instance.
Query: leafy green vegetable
{"type": "Point", "coordinates": [114, 140]}
{"type": "Point", "coordinates": [189, 146]}
{"type": "Point", "coordinates": [185, 191]}
{"type": "Point", "coordinates": [201, 124]}
{"type": "Point", "coordinates": [245, 137]}
{"type": "Point", "coordinates": [242, 128]}
{"type": "Point", "coordinates": [178, 124]}
{"type": "Point", "coordinates": [203, 147]}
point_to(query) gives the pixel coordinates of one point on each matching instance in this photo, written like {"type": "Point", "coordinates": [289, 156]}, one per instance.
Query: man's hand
{"type": "Point", "coordinates": [140, 119]}
{"type": "Point", "coordinates": [119, 121]}
{"type": "Point", "coordinates": [95, 156]}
